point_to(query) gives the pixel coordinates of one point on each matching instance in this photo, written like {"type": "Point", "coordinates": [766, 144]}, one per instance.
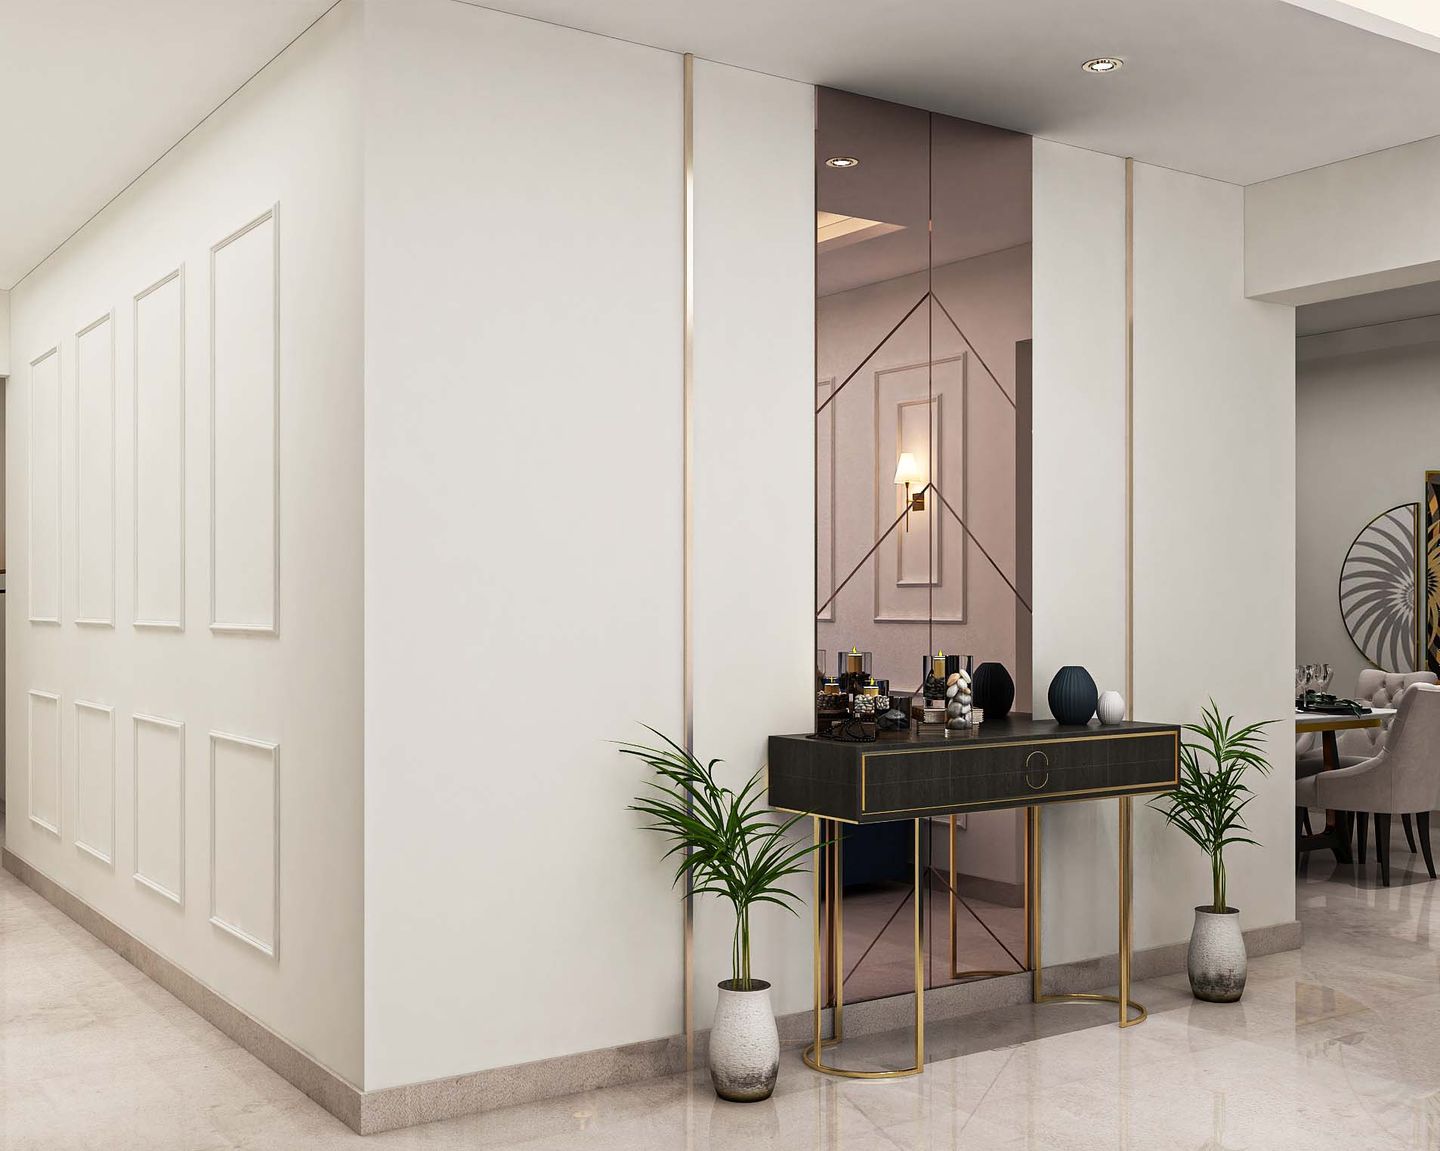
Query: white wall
{"type": "Point", "coordinates": [1213, 434]}
{"type": "Point", "coordinates": [522, 536]}
{"type": "Point", "coordinates": [1079, 503]}
{"type": "Point", "coordinates": [1365, 435]}
{"type": "Point", "coordinates": [1360, 225]}
{"type": "Point", "coordinates": [754, 468]}
{"type": "Point", "coordinates": [291, 137]}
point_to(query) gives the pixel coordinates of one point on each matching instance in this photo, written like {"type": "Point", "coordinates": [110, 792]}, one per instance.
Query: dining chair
{"type": "Point", "coordinates": [1401, 779]}
{"type": "Point", "coordinates": [1375, 688]}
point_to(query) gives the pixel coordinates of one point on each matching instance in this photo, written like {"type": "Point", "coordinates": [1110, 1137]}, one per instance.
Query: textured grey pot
{"type": "Point", "coordinates": [744, 1044]}
{"type": "Point", "coordinates": [1216, 960]}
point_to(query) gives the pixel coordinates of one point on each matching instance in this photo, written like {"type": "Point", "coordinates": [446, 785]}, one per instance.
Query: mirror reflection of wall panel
{"type": "Point", "coordinates": [244, 429]}
{"type": "Point", "coordinates": [923, 271]}
{"type": "Point", "coordinates": [159, 414]}
{"type": "Point", "coordinates": [95, 473]}
{"type": "Point", "coordinates": [825, 500]}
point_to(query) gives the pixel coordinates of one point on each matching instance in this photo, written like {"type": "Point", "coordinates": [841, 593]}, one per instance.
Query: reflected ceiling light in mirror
{"type": "Point", "coordinates": [836, 231]}
{"type": "Point", "coordinates": [1102, 65]}
{"type": "Point", "coordinates": [842, 162]}
{"type": "Point", "coordinates": [907, 472]}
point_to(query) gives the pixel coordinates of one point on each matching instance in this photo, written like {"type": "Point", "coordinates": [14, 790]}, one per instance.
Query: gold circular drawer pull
{"type": "Point", "coordinates": [1037, 761]}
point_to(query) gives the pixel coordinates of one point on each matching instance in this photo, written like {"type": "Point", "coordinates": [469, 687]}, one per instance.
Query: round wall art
{"type": "Point", "coordinates": [1379, 589]}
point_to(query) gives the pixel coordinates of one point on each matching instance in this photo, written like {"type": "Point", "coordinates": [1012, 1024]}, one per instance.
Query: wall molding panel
{"type": "Point", "coordinates": [95, 472]}
{"type": "Point", "coordinates": [158, 491]}
{"type": "Point", "coordinates": [159, 805]}
{"type": "Point", "coordinates": [245, 428]}
{"type": "Point", "coordinates": [43, 469]}
{"type": "Point", "coordinates": [825, 499]}
{"type": "Point", "coordinates": [95, 780]}
{"type": "Point", "coordinates": [42, 760]}
{"type": "Point", "coordinates": [245, 840]}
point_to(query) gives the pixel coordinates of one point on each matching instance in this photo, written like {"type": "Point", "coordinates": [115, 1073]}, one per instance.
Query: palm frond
{"type": "Point", "coordinates": [1208, 804]}
{"type": "Point", "coordinates": [728, 842]}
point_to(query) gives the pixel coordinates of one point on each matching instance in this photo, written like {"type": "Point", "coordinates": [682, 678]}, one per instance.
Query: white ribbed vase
{"type": "Point", "coordinates": [744, 1044]}
{"type": "Point", "coordinates": [1217, 961]}
{"type": "Point", "coordinates": [1110, 708]}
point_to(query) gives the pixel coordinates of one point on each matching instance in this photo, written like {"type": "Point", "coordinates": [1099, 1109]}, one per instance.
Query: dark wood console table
{"type": "Point", "coordinates": [1009, 763]}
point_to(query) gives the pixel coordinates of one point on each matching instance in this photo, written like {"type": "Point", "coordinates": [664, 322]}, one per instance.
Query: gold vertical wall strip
{"type": "Point", "coordinates": [1130, 437]}
{"type": "Point", "coordinates": [687, 644]}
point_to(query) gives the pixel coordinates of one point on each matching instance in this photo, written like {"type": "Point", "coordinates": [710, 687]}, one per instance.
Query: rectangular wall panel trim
{"type": "Point", "coordinates": [49, 821]}
{"type": "Point", "coordinates": [268, 618]}
{"type": "Point", "coordinates": [175, 894]}
{"type": "Point", "coordinates": [95, 478]}
{"type": "Point", "coordinates": [269, 946]}
{"type": "Point", "coordinates": [43, 490]}
{"type": "Point", "coordinates": [163, 545]}
{"type": "Point", "coordinates": [84, 816]}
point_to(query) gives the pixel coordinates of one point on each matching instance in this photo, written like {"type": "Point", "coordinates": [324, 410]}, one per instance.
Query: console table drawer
{"type": "Point", "coordinates": [982, 775]}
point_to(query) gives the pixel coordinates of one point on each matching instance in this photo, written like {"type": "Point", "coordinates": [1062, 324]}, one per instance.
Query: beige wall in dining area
{"type": "Point", "coordinates": [1365, 435]}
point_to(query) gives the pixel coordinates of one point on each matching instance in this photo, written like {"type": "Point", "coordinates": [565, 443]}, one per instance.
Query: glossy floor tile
{"type": "Point", "coordinates": [1336, 1045]}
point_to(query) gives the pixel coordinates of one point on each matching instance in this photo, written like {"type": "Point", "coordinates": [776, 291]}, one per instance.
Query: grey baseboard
{"type": "Point", "coordinates": [386, 1109]}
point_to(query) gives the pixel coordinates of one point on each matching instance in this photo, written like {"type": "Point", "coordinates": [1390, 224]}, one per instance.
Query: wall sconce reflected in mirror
{"type": "Point", "coordinates": [907, 472]}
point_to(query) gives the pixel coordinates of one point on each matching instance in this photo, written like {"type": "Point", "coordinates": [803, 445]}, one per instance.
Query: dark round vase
{"type": "Point", "coordinates": [1073, 696]}
{"type": "Point", "coordinates": [994, 690]}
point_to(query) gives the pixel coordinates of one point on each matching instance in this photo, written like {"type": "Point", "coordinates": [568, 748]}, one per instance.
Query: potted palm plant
{"type": "Point", "coordinates": [1208, 806]}
{"type": "Point", "coordinates": [731, 846]}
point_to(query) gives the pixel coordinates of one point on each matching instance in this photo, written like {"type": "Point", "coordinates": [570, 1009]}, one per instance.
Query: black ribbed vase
{"type": "Point", "coordinates": [1073, 696]}
{"type": "Point", "coordinates": [994, 690]}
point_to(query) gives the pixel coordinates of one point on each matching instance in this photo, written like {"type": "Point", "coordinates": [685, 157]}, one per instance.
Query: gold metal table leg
{"type": "Point", "coordinates": [831, 867]}
{"type": "Point", "coordinates": [1032, 876]}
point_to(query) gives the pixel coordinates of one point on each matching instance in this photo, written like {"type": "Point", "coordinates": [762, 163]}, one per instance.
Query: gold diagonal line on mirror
{"type": "Point", "coordinates": [1009, 399]}
{"type": "Point", "coordinates": [966, 528]}
{"type": "Point", "coordinates": [961, 900]}
{"type": "Point", "coordinates": [856, 569]}
{"type": "Point", "coordinates": [871, 354]}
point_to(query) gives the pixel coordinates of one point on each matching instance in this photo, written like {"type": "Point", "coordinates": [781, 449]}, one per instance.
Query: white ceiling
{"type": "Point", "coordinates": [94, 91]}
{"type": "Point", "coordinates": [1240, 90]}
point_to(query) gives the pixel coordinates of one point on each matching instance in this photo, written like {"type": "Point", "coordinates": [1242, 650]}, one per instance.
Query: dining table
{"type": "Point", "coordinates": [1336, 836]}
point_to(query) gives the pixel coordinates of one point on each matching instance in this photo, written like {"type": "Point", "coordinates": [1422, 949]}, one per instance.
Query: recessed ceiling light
{"type": "Point", "coordinates": [842, 162]}
{"type": "Point", "coordinates": [1103, 64]}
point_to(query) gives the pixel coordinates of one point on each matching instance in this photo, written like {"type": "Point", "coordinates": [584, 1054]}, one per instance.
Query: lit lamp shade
{"type": "Point", "coordinates": [907, 471]}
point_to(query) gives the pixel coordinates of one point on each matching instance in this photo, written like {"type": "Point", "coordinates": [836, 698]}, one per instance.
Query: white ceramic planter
{"type": "Point", "coordinates": [1216, 959]}
{"type": "Point", "coordinates": [744, 1044]}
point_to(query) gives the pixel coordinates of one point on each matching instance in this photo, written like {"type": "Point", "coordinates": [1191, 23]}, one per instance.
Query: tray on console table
{"type": "Point", "coordinates": [1013, 762]}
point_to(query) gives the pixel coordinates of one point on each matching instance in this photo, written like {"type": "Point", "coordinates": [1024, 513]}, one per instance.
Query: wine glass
{"type": "Point", "coordinates": [1326, 674]}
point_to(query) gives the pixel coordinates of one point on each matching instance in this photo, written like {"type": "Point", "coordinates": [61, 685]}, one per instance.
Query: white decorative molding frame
{"type": "Point", "coordinates": [270, 947]}
{"type": "Point", "coordinates": [81, 705]}
{"type": "Point", "coordinates": [177, 276]}
{"type": "Point", "coordinates": [247, 627]}
{"type": "Point", "coordinates": [52, 698]}
{"type": "Point", "coordinates": [885, 511]}
{"type": "Point", "coordinates": [176, 896]}
{"type": "Point", "coordinates": [30, 550]}
{"type": "Point", "coordinates": [106, 321]}
{"type": "Point", "coordinates": [825, 434]}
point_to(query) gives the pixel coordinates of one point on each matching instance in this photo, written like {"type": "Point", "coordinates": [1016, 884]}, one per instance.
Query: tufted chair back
{"type": "Point", "coordinates": [1403, 777]}
{"type": "Point", "coordinates": [1378, 689]}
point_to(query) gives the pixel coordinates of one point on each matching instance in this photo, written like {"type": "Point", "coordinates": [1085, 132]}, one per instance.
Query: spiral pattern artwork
{"type": "Point", "coordinates": [1379, 590]}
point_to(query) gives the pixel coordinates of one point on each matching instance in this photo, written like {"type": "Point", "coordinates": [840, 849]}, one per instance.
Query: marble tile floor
{"type": "Point", "coordinates": [1333, 1046]}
